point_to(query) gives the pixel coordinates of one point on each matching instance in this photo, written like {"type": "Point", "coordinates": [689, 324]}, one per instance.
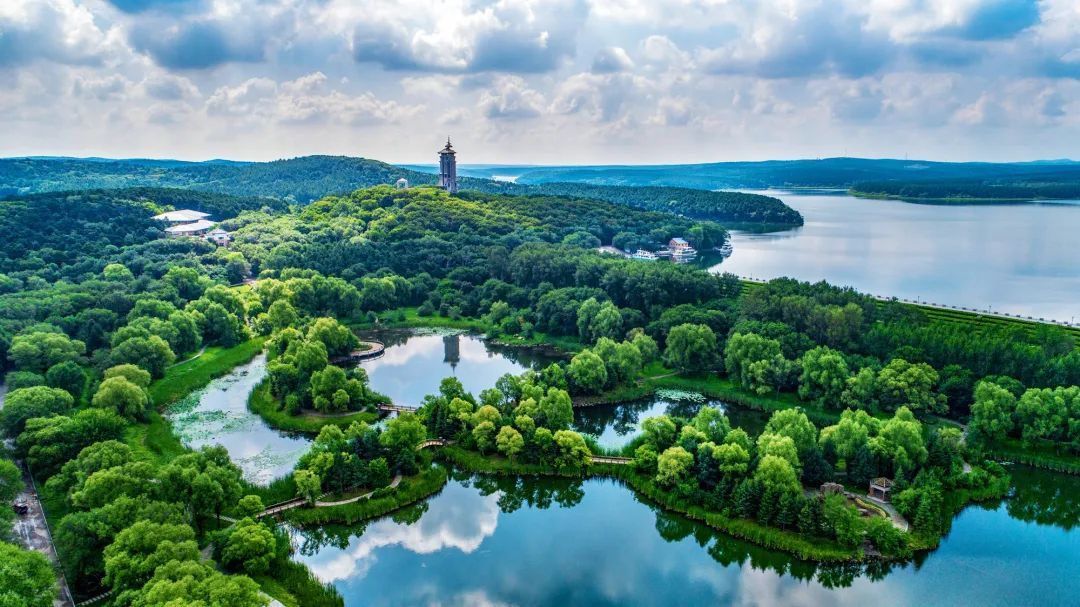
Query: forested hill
{"type": "Point", "coordinates": [45, 231]}
{"type": "Point", "coordinates": [826, 172]}
{"type": "Point", "coordinates": [295, 180]}
{"type": "Point", "coordinates": [731, 208]}
{"type": "Point", "coordinates": [1058, 185]}
{"type": "Point", "coordinates": [309, 178]}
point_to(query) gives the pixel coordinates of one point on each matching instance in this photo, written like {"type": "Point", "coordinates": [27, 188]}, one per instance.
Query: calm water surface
{"type": "Point", "coordinates": [505, 541]}
{"type": "Point", "coordinates": [218, 415]}
{"type": "Point", "coordinates": [415, 362]}
{"type": "Point", "coordinates": [1019, 259]}
{"type": "Point", "coordinates": [615, 426]}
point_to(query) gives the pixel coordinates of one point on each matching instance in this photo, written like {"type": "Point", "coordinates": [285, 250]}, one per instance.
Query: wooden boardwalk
{"type": "Point", "coordinates": [374, 349]}
{"type": "Point", "coordinates": [608, 459]}
{"type": "Point", "coordinates": [389, 408]}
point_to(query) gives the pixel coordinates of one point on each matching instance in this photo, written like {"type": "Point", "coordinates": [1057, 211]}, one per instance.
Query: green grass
{"type": "Point", "coordinates": [180, 380]}
{"type": "Point", "coordinates": [412, 489]}
{"type": "Point", "coordinates": [294, 585]}
{"type": "Point", "coordinates": [266, 406]}
{"type": "Point", "coordinates": [1037, 456]}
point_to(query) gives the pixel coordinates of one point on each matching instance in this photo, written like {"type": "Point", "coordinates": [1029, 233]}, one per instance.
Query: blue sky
{"type": "Point", "coordinates": [553, 81]}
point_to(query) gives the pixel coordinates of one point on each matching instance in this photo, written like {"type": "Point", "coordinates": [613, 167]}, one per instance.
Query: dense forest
{"type": "Point", "coordinates": [89, 326]}
{"type": "Point", "coordinates": [1057, 185]}
{"type": "Point", "coordinates": [302, 180]}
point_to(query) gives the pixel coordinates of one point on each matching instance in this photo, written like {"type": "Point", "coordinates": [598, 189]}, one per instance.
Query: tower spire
{"type": "Point", "coordinates": [448, 168]}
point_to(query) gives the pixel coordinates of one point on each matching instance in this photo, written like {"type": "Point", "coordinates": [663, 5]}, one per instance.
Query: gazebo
{"type": "Point", "coordinates": [880, 487]}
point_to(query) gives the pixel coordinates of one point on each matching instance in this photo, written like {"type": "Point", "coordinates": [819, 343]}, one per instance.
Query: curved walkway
{"type": "Point", "coordinates": [394, 483]}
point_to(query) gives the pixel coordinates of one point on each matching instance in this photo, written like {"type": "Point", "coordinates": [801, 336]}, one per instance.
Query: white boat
{"type": "Point", "coordinates": [644, 255]}
{"type": "Point", "coordinates": [727, 249]}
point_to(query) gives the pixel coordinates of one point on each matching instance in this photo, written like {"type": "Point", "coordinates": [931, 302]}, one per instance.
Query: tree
{"type": "Point", "coordinates": [769, 374]}
{"type": "Point", "coordinates": [39, 350]}
{"type": "Point", "coordinates": [900, 440]}
{"type": "Point", "coordinates": [122, 396]}
{"type": "Point", "coordinates": [691, 348]}
{"type": "Point", "coordinates": [824, 376]}
{"type": "Point", "coordinates": [484, 435]}
{"type": "Point", "coordinates": [48, 442]}
{"type": "Point", "coordinates": [150, 353]}
{"type": "Point", "coordinates": [646, 346]}
{"type": "Point", "coordinates": [308, 485]}
{"type": "Point", "coordinates": [659, 431]}
{"type": "Point", "coordinates": [556, 409]}
{"type": "Point", "coordinates": [403, 433]}
{"type": "Point", "coordinates": [860, 390]}
{"type": "Point", "coordinates": [1044, 413]}
{"type": "Point", "coordinates": [991, 411]}
{"type": "Point", "coordinates": [673, 465]}
{"type": "Point", "coordinates": [712, 423]}
{"type": "Point", "coordinates": [911, 384]}
{"type": "Point", "coordinates": [26, 403]}
{"type": "Point", "coordinates": [67, 376]}
{"type": "Point", "coordinates": [770, 443]}
{"type": "Point", "coordinates": [573, 452]}
{"type": "Point", "coordinates": [731, 459]}
{"type": "Point", "coordinates": [743, 350]}
{"type": "Point", "coordinates": [250, 547]}
{"type": "Point", "coordinates": [26, 578]}
{"type": "Point", "coordinates": [777, 473]}
{"type": "Point", "coordinates": [143, 547]}
{"type": "Point", "coordinates": [509, 442]}
{"type": "Point", "coordinates": [250, 505]}
{"type": "Point", "coordinates": [587, 372]}
{"type": "Point", "coordinates": [852, 432]}
{"type": "Point", "coordinates": [337, 338]}
{"type": "Point", "coordinates": [793, 423]}
{"type": "Point", "coordinates": [185, 582]}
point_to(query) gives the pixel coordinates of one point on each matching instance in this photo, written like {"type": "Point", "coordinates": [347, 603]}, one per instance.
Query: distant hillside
{"type": "Point", "coordinates": [309, 178]}
{"type": "Point", "coordinates": [58, 227]}
{"type": "Point", "coordinates": [1062, 184]}
{"type": "Point", "coordinates": [827, 172]}
{"type": "Point", "coordinates": [298, 179]}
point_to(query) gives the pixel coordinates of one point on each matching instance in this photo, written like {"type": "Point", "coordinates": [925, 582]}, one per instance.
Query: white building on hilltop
{"type": "Point", "coordinates": [185, 222]}
{"type": "Point", "coordinates": [181, 216]}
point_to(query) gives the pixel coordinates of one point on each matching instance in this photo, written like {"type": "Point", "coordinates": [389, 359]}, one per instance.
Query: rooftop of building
{"type": "Point", "coordinates": [197, 226]}
{"type": "Point", "coordinates": [181, 215]}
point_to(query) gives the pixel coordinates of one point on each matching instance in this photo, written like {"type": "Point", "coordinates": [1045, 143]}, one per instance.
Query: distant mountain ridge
{"type": "Point", "coordinates": [308, 178]}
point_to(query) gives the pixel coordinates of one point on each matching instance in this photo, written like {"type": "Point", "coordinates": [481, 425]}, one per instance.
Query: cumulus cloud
{"type": "Point", "coordinates": [59, 31]}
{"type": "Point", "coordinates": [611, 59]}
{"type": "Point", "coordinates": [521, 36]}
{"type": "Point", "coordinates": [511, 99]}
{"type": "Point", "coordinates": [577, 77]}
{"type": "Point", "coordinates": [307, 99]}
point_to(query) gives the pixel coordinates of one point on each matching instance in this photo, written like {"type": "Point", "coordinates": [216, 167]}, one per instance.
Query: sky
{"type": "Point", "coordinates": [544, 82]}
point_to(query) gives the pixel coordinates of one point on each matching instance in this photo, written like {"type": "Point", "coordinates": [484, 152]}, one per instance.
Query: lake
{"type": "Point", "coordinates": [614, 426]}
{"type": "Point", "coordinates": [525, 541]}
{"type": "Point", "coordinates": [218, 415]}
{"type": "Point", "coordinates": [417, 360]}
{"type": "Point", "coordinates": [414, 363]}
{"type": "Point", "coordinates": [1012, 258]}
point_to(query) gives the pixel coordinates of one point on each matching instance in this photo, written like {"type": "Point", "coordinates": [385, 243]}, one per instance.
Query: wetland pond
{"type": "Point", "coordinates": [538, 541]}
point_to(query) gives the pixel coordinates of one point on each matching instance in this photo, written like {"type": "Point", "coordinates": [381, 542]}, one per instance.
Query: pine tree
{"type": "Point", "coordinates": [769, 506]}
{"type": "Point", "coordinates": [809, 521]}
{"type": "Point", "coordinates": [788, 513]}
{"type": "Point", "coordinates": [743, 500]}
{"type": "Point", "coordinates": [863, 466]}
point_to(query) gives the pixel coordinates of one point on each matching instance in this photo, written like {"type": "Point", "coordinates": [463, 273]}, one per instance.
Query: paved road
{"type": "Point", "coordinates": [33, 532]}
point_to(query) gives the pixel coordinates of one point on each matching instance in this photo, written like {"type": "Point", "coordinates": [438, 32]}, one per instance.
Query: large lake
{"type": "Point", "coordinates": [1015, 258]}
{"type": "Point", "coordinates": [524, 541]}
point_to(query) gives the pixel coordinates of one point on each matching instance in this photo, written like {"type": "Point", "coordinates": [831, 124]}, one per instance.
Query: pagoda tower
{"type": "Point", "coordinates": [448, 168]}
